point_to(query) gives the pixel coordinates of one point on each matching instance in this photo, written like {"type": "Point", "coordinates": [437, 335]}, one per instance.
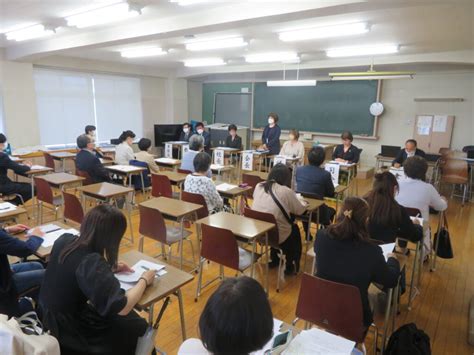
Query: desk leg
{"type": "Point", "coordinates": [128, 201]}
{"type": "Point", "coordinates": [267, 259]}
{"type": "Point", "coordinates": [388, 311]}
{"type": "Point", "coordinates": [252, 267]}
{"type": "Point", "coordinates": [33, 198]}
{"type": "Point", "coordinates": [181, 314]}
{"type": "Point", "coordinates": [143, 184]}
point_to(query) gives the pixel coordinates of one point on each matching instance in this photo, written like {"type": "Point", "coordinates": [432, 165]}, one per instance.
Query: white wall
{"type": "Point", "coordinates": [195, 100]}
{"type": "Point", "coordinates": [396, 124]}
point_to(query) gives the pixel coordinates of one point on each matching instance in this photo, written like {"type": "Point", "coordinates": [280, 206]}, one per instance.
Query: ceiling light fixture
{"type": "Point", "coordinates": [372, 74]}
{"type": "Point", "coordinates": [187, 2]}
{"type": "Point", "coordinates": [142, 52]}
{"type": "Point", "coordinates": [220, 43]}
{"type": "Point", "coordinates": [30, 32]}
{"type": "Point", "coordinates": [278, 83]}
{"type": "Point", "coordinates": [111, 13]}
{"type": "Point", "coordinates": [362, 50]}
{"type": "Point", "coordinates": [272, 57]}
{"type": "Point", "coordinates": [204, 62]}
{"type": "Point", "coordinates": [303, 34]}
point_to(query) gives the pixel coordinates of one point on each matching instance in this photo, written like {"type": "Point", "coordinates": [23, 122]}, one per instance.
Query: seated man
{"type": "Point", "coordinates": [196, 145]}
{"type": "Point", "coordinates": [206, 135]}
{"type": "Point", "coordinates": [20, 277]}
{"type": "Point", "coordinates": [186, 133]}
{"type": "Point", "coordinates": [409, 151]}
{"type": "Point", "coordinates": [86, 160]}
{"type": "Point", "coordinates": [8, 187]}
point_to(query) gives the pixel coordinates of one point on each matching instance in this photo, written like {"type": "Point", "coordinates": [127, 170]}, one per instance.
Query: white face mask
{"type": "Point", "coordinates": [200, 131]}
{"type": "Point", "coordinates": [271, 121]}
{"type": "Point", "coordinates": [186, 130]}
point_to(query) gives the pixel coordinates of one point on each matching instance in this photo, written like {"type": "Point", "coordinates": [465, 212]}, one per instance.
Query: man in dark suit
{"type": "Point", "coordinates": [87, 160]}
{"type": "Point", "coordinates": [8, 187]}
{"type": "Point", "coordinates": [206, 135]}
{"type": "Point", "coordinates": [186, 133]}
{"type": "Point", "coordinates": [409, 151]}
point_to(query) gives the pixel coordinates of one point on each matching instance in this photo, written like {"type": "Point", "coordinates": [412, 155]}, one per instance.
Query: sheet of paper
{"type": "Point", "coordinates": [7, 207]}
{"type": "Point", "coordinates": [318, 342]}
{"type": "Point", "coordinates": [225, 187]}
{"type": "Point", "coordinates": [387, 249]}
{"type": "Point", "coordinates": [51, 227]}
{"type": "Point", "coordinates": [128, 285]}
{"type": "Point", "coordinates": [123, 168]}
{"type": "Point", "coordinates": [128, 280]}
{"type": "Point", "coordinates": [14, 158]}
{"type": "Point", "coordinates": [216, 166]}
{"type": "Point", "coordinates": [276, 330]}
{"type": "Point", "coordinates": [51, 237]}
{"type": "Point", "coordinates": [37, 167]}
{"type": "Point", "coordinates": [165, 160]}
{"type": "Point", "coordinates": [440, 122]}
{"type": "Point", "coordinates": [340, 163]}
{"type": "Point", "coordinates": [424, 125]}
{"type": "Point", "coordinates": [419, 219]}
{"type": "Point", "coordinates": [398, 172]}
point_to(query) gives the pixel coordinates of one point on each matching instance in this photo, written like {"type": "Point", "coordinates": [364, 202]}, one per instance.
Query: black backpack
{"type": "Point", "coordinates": [408, 340]}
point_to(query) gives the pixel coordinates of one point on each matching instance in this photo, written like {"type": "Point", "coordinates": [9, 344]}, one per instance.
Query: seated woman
{"type": "Point", "coordinates": [237, 319]}
{"type": "Point", "coordinates": [387, 219]}
{"type": "Point", "coordinates": [314, 180]}
{"type": "Point", "coordinates": [123, 151]}
{"type": "Point", "coordinates": [81, 301]}
{"type": "Point", "coordinates": [345, 254]}
{"type": "Point", "coordinates": [233, 140]}
{"type": "Point", "coordinates": [20, 277]}
{"type": "Point", "coordinates": [275, 196]}
{"type": "Point", "coordinates": [293, 147]}
{"type": "Point", "coordinates": [8, 187]}
{"type": "Point", "coordinates": [199, 182]}
{"type": "Point", "coordinates": [346, 152]}
{"type": "Point", "coordinates": [144, 156]}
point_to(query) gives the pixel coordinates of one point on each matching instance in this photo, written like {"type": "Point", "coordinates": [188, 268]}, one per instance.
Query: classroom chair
{"type": "Point", "coordinates": [197, 199]}
{"type": "Point", "coordinates": [72, 208]}
{"type": "Point", "coordinates": [220, 246]}
{"type": "Point", "coordinates": [161, 186]}
{"type": "Point", "coordinates": [251, 180]}
{"type": "Point", "coordinates": [145, 174]}
{"type": "Point", "coordinates": [455, 172]}
{"type": "Point", "coordinates": [273, 237]}
{"type": "Point", "coordinates": [45, 197]}
{"type": "Point", "coordinates": [152, 225]}
{"type": "Point", "coordinates": [49, 161]}
{"type": "Point", "coordinates": [333, 306]}
{"type": "Point", "coordinates": [87, 178]}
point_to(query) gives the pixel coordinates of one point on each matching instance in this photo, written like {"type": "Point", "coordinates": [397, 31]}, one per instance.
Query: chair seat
{"type": "Point", "coordinates": [173, 234]}
{"type": "Point", "coordinates": [245, 259]}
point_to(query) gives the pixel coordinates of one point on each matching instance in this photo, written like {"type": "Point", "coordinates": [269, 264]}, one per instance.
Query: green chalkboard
{"type": "Point", "coordinates": [328, 107]}
{"type": "Point", "coordinates": [210, 89]}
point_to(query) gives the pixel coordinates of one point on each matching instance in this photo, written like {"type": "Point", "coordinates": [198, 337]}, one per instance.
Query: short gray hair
{"type": "Point", "coordinates": [83, 140]}
{"type": "Point", "coordinates": [196, 142]}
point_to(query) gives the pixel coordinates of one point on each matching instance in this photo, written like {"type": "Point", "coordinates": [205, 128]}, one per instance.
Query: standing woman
{"type": "Point", "coordinates": [271, 135]}
{"type": "Point", "coordinates": [293, 147]}
{"type": "Point", "coordinates": [124, 151]}
{"type": "Point", "coordinates": [81, 301]}
{"type": "Point", "coordinates": [346, 152]}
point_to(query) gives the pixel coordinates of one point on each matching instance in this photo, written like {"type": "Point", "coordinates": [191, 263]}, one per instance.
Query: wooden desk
{"type": "Point", "coordinates": [218, 169]}
{"type": "Point", "coordinates": [328, 148]}
{"type": "Point", "coordinates": [168, 163]}
{"type": "Point", "coordinates": [127, 171]}
{"type": "Point", "coordinates": [59, 180]}
{"type": "Point", "coordinates": [244, 228]}
{"type": "Point", "coordinates": [62, 157]}
{"type": "Point", "coordinates": [263, 175]}
{"type": "Point", "coordinates": [164, 286]}
{"type": "Point", "coordinates": [105, 192]}
{"type": "Point", "coordinates": [11, 214]}
{"type": "Point", "coordinates": [234, 194]}
{"type": "Point", "coordinates": [16, 159]}
{"type": "Point", "coordinates": [106, 161]}
{"type": "Point", "coordinates": [174, 177]}
{"type": "Point", "coordinates": [31, 174]}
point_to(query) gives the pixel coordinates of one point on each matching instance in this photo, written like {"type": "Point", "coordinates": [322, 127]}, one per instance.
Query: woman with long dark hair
{"type": "Point", "coordinates": [345, 254]}
{"type": "Point", "coordinates": [81, 301]}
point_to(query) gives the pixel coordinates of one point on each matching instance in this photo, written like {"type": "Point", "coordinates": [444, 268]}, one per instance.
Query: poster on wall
{"type": "Point", "coordinates": [440, 123]}
{"type": "Point", "coordinates": [423, 125]}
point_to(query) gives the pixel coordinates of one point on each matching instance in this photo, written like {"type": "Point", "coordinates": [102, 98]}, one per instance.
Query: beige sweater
{"type": "Point", "coordinates": [149, 159]}
{"type": "Point", "coordinates": [293, 149]}
{"type": "Point", "coordinates": [263, 202]}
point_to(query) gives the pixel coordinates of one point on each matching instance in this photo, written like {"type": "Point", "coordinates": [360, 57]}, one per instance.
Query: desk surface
{"type": "Point", "coordinates": [62, 155]}
{"type": "Point", "coordinates": [163, 286]}
{"type": "Point", "coordinates": [58, 179]}
{"type": "Point", "coordinates": [235, 192]}
{"type": "Point", "coordinates": [171, 207]}
{"type": "Point", "coordinates": [11, 213]}
{"type": "Point", "coordinates": [43, 170]}
{"type": "Point", "coordinates": [261, 174]}
{"type": "Point", "coordinates": [168, 161]}
{"type": "Point", "coordinates": [106, 161]}
{"type": "Point", "coordinates": [125, 169]}
{"type": "Point", "coordinates": [173, 176]}
{"type": "Point", "coordinates": [104, 190]}
{"type": "Point", "coordinates": [241, 226]}
{"type": "Point", "coordinates": [340, 189]}
{"type": "Point", "coordinates": [313, 204]}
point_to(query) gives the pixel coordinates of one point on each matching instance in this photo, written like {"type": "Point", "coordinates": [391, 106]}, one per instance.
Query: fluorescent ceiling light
{"type": "Point", "coordinates": [106, 14]}
{"type": "Point", "coordinates": [204, 62]}
{"type": "Point", "coordinates": [362, 50]}
{"type": "Point", "coordinates": [187, 2]}
{"type": "Point", "coordinates": [372, 75]}
{"type": "Point", "coordinates": [272, 57]}
{"type": "Point", "coordinates": [291, 83]}
{"type": "Point", "coordinates": [216, 44]}
{"type": "Point", "coordinates": [325, 32]}
{"type": "Point", "coordinates": [30, 32]}
{"type": "Point", "coordinates": [142, 52]}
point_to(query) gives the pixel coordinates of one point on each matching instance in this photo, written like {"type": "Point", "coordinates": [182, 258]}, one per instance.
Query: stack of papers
{"type": "Point", "coordinates": [128, 280]}
{"type": "Point", "coordinates": [217, 166]}
{"type": "Point", "coordinates": [53, 232]}
{"type": "Point", "coordinates": [165, 160]}
{"type": "Point", "coordinates": [387, 249]}
{"type": "Point", "coordinates": [7, 207]}
{"type": "Point", "coordinates": [124, 168]}
{"type": "Point", "coordinates": [38, 167]}
{"type": "Point", "coordinates": [225, 187]}
{"type": "Point", "coordinates": [316, 341]}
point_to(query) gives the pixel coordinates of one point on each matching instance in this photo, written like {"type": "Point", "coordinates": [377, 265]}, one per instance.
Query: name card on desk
{"type": "Point", "coordinates": [184, 149]}
{"type": "Point", "coordinates": [219, 156]}
{"type": "Point", "coordinates": [168, 150]}
{"type": "Point", "coordinates": [247, 160]}
{"type": "Point", "coordinates": [333, 169]}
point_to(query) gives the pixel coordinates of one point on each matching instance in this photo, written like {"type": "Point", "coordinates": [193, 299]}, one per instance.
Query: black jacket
{"type": "Point", "coordinates": [354, 263]}
{"type": "Point", "coordinates": [352, 155]}
{"type": "Point", "coordinates": [236, 143]}
{"type": "Point", "coordinates": [402, 156]}
{"type": "Point", "coordinates": [314, 180]}
{"type": "Point", "coordinates": [184, 137]}
{"type": "Point", "coordinates": [5, 164]}
{"type": "Point", "coordinates": [88, 162]}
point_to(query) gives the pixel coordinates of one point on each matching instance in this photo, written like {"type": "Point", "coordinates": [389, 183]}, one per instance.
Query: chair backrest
{"type": "Point", "coordinates": [161, 186]}
{"type": "Point", "coordinates": [219, 245]}
{"type": "Point", "coordinates": [273, 234]}
{"type": "Point", "coordinates": [152, 224]}
{"type": "Point", "coordinates": [48, 160]}
{"type": "Point", "coordinates": [136, 180]}
{"type": "Point", "coordinates": [455, 171]}
{"type": "Point", "coordinates": [87, 178]}
{"type": "Point", "coordinates": [197, 199]}
{"type": "Point", "coordinates": [333, 306]}
{"type": "Point", "coordinates": [72, 208]}
{"type": "Point", "coordinates": [184, 171]}
{"type": "Point", "coordinates": [44, 192]}
{"type": "Point", "coordinates": [413, 212]}
{"type": "Point", "coordinates": [251, 180]}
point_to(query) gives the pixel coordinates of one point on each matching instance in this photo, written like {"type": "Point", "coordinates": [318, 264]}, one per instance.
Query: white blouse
{"type": "Point", "coordinates": [123, 154]}
{"type": "Point", "coordinates": [293, 150]}
{"type": "Point", "coordinates": [198, 184]}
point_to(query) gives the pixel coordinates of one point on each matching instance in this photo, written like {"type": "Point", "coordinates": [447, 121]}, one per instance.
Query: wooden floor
{"type": "Point", "coordinates": [441, 309]}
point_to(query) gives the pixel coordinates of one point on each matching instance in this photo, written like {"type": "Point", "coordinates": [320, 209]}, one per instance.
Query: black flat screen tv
{"type": "Point", "coordinates": [166, 132]}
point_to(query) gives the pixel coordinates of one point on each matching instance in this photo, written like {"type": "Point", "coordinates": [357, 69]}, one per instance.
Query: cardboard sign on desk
{"type": "Point", "coordinates": [185, 149]}
{"type": "Point", "coordinates": [247, 160]}
{"type": "Point", "coordinates": [168, 150]}
{"type": "Point", "coordinates": [219, 157]}
{"type": "Point", "coordinates": [333, 169]}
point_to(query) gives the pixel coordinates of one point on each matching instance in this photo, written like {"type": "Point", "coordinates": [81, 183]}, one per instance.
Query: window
{"type": "Point", "coordinates": [68, 101]}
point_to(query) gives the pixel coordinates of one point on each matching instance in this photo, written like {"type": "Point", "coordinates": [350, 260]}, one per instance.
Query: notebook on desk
{"type": "Point", "coordinates": [390, 151]}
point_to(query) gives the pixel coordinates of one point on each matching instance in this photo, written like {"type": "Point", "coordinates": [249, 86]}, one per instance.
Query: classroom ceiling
{"type": "Point", "coordinates": [430, 33]}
